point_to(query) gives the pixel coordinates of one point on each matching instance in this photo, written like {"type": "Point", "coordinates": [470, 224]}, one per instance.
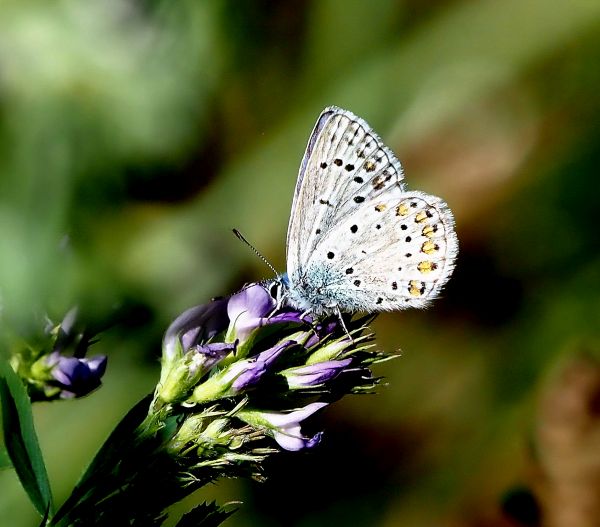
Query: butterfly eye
{"type": "Point", "coordinates": [275, 289]}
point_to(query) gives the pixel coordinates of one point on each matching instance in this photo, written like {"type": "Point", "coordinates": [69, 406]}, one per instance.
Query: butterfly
{"type": "Point", "coordinates": [358, 240]}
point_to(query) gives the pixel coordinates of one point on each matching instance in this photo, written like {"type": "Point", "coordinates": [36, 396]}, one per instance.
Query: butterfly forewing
{"type": "Point", "coordinates": [345, 164]}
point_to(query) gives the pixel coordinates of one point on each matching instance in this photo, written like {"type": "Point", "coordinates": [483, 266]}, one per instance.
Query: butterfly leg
{"type": "Point", "coordinates": [341, 319]}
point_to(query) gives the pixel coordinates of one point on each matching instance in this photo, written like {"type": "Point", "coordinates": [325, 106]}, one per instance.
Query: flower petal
{"type": "Point", "coordinates": [248, 308]}
{"type": "Point", "coordinates": [254, 301]}
{"type": "Point", "coordinates": [77, 377]}
{"type": "Point", "coordinates": [195, 325]}
{"type": "Point", "coordinates": [256, 367]}
{"type": "Point", "coordinates": [289, 316]}
{"type": "Point", "coordinates": [291, 419]}
{"type": "Point", "coordinates": [295, 443]}
{"type": "Point", "coordinates": [315, 374]}
{"type": "Point", "coordinates": [204, 357]}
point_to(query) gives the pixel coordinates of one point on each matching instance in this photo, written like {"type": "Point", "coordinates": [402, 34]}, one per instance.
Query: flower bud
{"type": "Point", "coordinates": [195, 325]}
{"type": "Point", "coordinates": [330, 351]}
{"type": "Point", "coordinates": [182, 375]}
{"type": "Point", "coordinates": [284, 427]}
{"type": "Point", "coordinates": [68, 377]}
{"type": "Point", "coordinates": [314, 375]}
{"type": "Point", "coordinates": [239, 376]}
{"type": "Point", "coordinates": [56, 367]}
{"type": "Point", "coordinates": [253, 308]}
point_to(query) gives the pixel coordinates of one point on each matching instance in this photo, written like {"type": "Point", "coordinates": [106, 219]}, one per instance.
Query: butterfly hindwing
{"type": "Point", "coordinates": [391, 254]}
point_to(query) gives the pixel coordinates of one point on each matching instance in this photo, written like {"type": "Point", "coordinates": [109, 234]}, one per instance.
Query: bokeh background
{"type": "Point", "coordinates": [134, 134]}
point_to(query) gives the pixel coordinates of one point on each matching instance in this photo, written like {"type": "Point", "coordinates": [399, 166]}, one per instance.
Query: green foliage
{"type": "Point", "coordinates": [134, 135]}
{"type": "Point", "coordinates": [21, 440]}
{"type": "Point", "coordinates": [5, 461]}
{"type": "Point", "coordinates": [116, 446]}
{"type": "Point", "coordinates": [205, 515]}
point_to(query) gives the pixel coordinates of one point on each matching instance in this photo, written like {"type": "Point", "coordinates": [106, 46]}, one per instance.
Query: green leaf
{"type": "Point", "coordinates": [5, 461]}
{"type": "Point", "coordinates": [121, 437]}
{"type": "Point", "coordinates": [21, 440]}
{"type": "Point", "coordinates": [205, 515]}
{"type": "Point", "coordinates": [98, 473]}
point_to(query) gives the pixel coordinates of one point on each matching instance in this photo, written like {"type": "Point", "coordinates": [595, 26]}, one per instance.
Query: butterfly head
{"type": "Point", "coordinates": [278, 288]}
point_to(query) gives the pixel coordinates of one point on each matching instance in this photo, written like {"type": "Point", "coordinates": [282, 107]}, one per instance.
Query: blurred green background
{"type": "Point", "coordinates": [134, 134]}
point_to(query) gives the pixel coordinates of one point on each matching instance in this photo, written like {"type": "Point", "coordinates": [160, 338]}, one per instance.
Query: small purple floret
{"type": "Point", "coordinates": [288, 316]}
{"type": "Point", "coordinates": [195, 325]}
{"type": "Point", "coordinates": [250, 309]}
{"type": "Point", "coordinates": [316, 374]}
{"type": "Point", "coordinates": [288, 434]}
{"type": "Point", "coordinates": [76, 376]}
{"type": "Point", "coordinates": [254, 369]}
{"type": "Point", "coordinates": [208, 355]}
{"type": "Point", "coordinates": [322, 330]}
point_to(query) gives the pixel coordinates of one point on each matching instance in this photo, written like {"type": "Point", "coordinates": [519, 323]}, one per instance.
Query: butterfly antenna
{"type": "Point", "coordinates": [255, 250]}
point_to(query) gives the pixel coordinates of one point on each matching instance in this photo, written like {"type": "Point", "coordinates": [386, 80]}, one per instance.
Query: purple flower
{"type": "Point", "coordinates": [315, 374]}
{"type": "Point", "coordinates": [76, 377]}
{"type": "Point", "coordinates": [252, 370]}
{"type": "Point", "coordinates": [196, 325]}
{"type": "Point", "coordinates": [243, 313]}
{"type": "Point", "coordinates": [59, 368]}
{"type": "Point", "coordinates": [187, 356]}
{"type": "Point", "coordinates": [239, 376]}
{"type": "Point", "coordinates": [205, 356]}
{"type": "Point", "coordinates": [285, 427]}
{"type": "Point", "coordinates": [250, 309]}
{"type": "Point", "coordinates": [226, 350]}
{"type": "Point", "coordinates": [321, 331]}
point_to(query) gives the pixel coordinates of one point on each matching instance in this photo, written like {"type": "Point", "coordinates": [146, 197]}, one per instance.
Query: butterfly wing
{"type": "Point", "coordinates": [358, 240]}
{"type": "Point", "coordinates": [390, 253]}
{"type": "Point", "coordinates": [345, 163]}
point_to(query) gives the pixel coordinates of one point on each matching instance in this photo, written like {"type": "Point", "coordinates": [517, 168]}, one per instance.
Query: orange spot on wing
{"type": "Point", "coordinates": [428, 231]}
{"type": "Point", "coordinates": [429, 247]}
{"type": "Point", "coordinates": [421, 216]}
{"type": "Point", "coordinates": [426, 266]}
{"type": "Point", "coordinates": [416, 288]}
{"type": "Point", "coordinates": [369, 166]}
{"type": "Point", "coordinates": [402, 209]}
